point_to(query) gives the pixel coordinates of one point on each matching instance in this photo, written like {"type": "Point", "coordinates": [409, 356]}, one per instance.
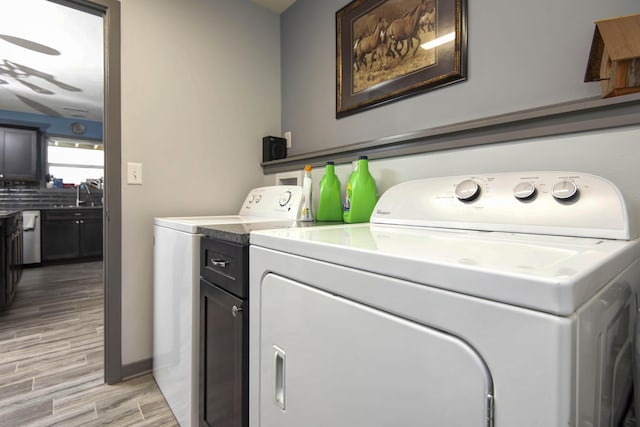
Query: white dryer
{"type": "Point", "coordinates": [504, 299]}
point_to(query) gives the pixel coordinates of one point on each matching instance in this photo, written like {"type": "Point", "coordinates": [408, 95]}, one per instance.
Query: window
{"type": "Point", "coordinates": [75, 161]}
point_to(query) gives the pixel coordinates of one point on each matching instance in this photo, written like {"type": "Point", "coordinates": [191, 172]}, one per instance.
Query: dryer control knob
{"type": "Point", "coordinates": [524, 191]}
{"type": "Point", "coordinates": [285, 197]}
{"type": "Point", "coordinates": [467, 190]}
{"type": "Point", "coordinates": [564, 190]}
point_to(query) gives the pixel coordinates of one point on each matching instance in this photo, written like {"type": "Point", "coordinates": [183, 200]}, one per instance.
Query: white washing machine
{"type": "Point", "coordinates": [488, 300]}
{"type": "Point", "coordinates": [176, 295]}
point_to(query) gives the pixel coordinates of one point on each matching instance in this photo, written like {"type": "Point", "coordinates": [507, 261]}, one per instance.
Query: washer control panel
{"type": "Point", "coordinates": [558, 203]}
{"type": "Point", "coordinates": [277, 201]}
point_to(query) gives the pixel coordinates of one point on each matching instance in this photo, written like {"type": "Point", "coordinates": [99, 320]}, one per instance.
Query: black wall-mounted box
{"type": "Point", "coordinates": [273, 148]}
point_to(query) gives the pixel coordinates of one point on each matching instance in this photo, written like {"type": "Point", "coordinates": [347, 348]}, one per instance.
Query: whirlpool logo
{"type": "Point", "coordinates": [381, 212]}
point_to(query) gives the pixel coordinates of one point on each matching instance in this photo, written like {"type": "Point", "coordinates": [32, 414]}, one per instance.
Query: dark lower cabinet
{"type": "Point", "coordinates": [69, 234]}
{"type": "Point", "coordinates": [10, 257]}
{"type": "Point", "coordinates": [90, 237]}
{"type": "Point", "coordinates": [224, 376]}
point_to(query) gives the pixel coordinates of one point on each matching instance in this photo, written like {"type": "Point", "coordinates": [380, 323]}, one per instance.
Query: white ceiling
{"type": "Point", "coordinates": [51, 58]}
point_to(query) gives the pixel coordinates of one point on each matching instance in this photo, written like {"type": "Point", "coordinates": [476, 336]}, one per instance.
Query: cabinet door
{"type": "Point", "coordinates": [91, 237]}
{"type": "Point", "coordinates": [4, 286]}
{"type": "Point", "coordinates": [19, 154]}
{"type": "Point", "coordinates": [13, 265]}
{"type": "Point", "coordinates": [223, 359]}
{"type": "Point", "coordinates": [60, 239]}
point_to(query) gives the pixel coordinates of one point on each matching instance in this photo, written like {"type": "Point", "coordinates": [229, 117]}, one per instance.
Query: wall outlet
{"type": "Point", "coordinates": [134, 173]}
{"type": "Point", "coordinates": [287, 136]}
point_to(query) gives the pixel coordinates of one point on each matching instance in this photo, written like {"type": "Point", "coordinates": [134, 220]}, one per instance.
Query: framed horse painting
{"type": "Point", "coordinates": [391, 49]}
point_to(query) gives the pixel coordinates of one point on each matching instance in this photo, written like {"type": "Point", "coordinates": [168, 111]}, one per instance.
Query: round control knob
{"type": "Point", "coordinates": [285, 197]}
{"type": "Point", "coordinates": [251, 197]}
{"type": "Point", "coordinates": [524, 191]}
{"type": "Point", "coordinates": [467, 190]}
{"type": "Point", "coordinates": [258, 198]}
{"type": "Point", "coordinates": [565, 190]}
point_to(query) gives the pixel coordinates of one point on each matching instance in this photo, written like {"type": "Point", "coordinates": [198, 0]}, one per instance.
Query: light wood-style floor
{"type": "Point", "coordinates": [51, 357]}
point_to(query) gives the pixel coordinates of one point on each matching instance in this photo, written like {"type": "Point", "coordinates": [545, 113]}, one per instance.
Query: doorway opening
{"type": "Point", "coordinates": [112, 273]}
{"type": "Point", "coordinates": [43, 87]}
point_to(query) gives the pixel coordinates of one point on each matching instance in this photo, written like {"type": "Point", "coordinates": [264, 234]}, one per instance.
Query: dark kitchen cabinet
{"type": "Point", "coordinates": [224, 334]}
{"type": "Point", "coordinates": [10, 257]}
{"type": "Point", "coordinates": [90, 237]}
{"type": "Point", "coordinates": [18, 154]}
{"type": "Point", "coordinates": [69, 234]}
{"type": "Point", "coordinates": [222, 365]}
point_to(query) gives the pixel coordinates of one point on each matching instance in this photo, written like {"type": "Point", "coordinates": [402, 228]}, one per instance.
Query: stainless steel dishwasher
{"type": "Point", "coordinates": [31, 237]}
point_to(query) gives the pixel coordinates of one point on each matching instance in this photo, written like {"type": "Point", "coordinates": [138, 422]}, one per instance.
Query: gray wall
{"type": "Point", "coordinates": [200, 79]}
{"type": "Point", "coordinates": [522, 54]}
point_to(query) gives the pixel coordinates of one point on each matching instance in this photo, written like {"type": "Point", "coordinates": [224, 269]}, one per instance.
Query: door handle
{"type": "Point", "coordinates": [279, 395]}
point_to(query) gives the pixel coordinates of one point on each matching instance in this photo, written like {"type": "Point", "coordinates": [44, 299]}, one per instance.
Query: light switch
{"type": "Point", "coordinates": [134, 173]}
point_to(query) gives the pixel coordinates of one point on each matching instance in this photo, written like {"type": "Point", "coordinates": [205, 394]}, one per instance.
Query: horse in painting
{"type": "Point", "coordinates": [368, 43]}
{"type": "Point", "coordinates": [406, 28]}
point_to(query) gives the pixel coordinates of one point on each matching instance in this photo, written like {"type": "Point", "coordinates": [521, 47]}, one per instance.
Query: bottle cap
{"type": "Point", "coordinates": [362, 157]}
{"type": "Point", "coordinates": [307, 168]}
{"type": "Point", "coordinates": [330, 163]}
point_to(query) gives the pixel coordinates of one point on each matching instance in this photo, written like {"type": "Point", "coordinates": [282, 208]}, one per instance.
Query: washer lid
{"type": "Point", "coordinates": [190, 224]}
{"type": "Point", "coordinates": [271, 203]}
{"type": "Point", "coordinates": [554, 274]}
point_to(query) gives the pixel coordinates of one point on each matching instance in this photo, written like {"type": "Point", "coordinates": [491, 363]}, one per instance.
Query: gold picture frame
{"type": "Point", "coordinates": [390, 49]}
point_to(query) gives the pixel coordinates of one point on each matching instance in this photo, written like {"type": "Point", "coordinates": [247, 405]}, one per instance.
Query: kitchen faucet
{"type": "Point", "coordinates": [86, 187]}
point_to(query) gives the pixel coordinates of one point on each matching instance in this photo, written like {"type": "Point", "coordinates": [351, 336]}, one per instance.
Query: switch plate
{"type": "Point", "coordinates": [287, 136]}
{"type": "Point", "coordinates": [134, 173]}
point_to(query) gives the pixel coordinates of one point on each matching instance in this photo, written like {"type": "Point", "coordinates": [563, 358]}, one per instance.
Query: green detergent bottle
{"type": "Point", "coordinates": [329, 205]}
{"type": "Point", "coordinates": [360, 195]}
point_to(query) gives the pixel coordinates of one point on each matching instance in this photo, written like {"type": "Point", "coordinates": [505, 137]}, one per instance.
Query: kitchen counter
{"type": "Point", "coordinates": [239, 233]}
{"type": "Point", "coordinates": [70, 207]}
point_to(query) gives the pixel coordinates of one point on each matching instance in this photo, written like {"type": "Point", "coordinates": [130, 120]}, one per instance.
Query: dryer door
{"type": "Point", "coordinates": [329, 361]}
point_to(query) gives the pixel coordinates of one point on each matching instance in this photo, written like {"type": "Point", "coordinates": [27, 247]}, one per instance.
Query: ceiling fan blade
{"type": "Point", "coordinates": [35, 88]}
{"type": "Point", "coordinates": [28, 44]}
{"type": "Point", "coordinates": [39, 107]}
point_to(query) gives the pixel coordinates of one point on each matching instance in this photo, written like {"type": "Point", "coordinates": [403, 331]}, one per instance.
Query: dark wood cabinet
{"type": "Point", "coordinates": [224, 353]}
{"type": "Point", "coordinates": [90, 237]}
{"type": "Point", "coordinates": [18, 154]}
{"type": "Point", "coordinates": [224, 334]}
{"type": "Point", "coordinates": [69, 234]}
{"type": "Point", "coordinates": [10, 257]}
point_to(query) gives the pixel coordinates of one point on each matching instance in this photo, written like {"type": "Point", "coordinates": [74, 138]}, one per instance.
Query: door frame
{"type": "Point", "coordinates": [112, 218]}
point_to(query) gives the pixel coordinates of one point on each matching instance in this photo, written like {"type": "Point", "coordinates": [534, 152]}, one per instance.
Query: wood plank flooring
{"type": "Point", "coordinates": [51, 357]}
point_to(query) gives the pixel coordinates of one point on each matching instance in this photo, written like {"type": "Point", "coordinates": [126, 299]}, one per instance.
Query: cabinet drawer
{"type": "Point", "coordinates": [226, 265]}
{"type": "Point", "coordinates": [71, 214]}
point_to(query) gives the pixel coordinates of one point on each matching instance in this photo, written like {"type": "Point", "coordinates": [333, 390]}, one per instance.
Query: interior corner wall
{"type": "Point", "coordinates": [200, 88]}
{"type": "Point", "coordinates": [521, 55]}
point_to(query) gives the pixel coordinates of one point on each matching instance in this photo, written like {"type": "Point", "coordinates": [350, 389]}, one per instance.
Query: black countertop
{"type": "Point", "coordinates": [239, 233]}
{"type": "Point", "coordinates": [9, 212]}
{"type": "Point", "coordinates": [69, 207]}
